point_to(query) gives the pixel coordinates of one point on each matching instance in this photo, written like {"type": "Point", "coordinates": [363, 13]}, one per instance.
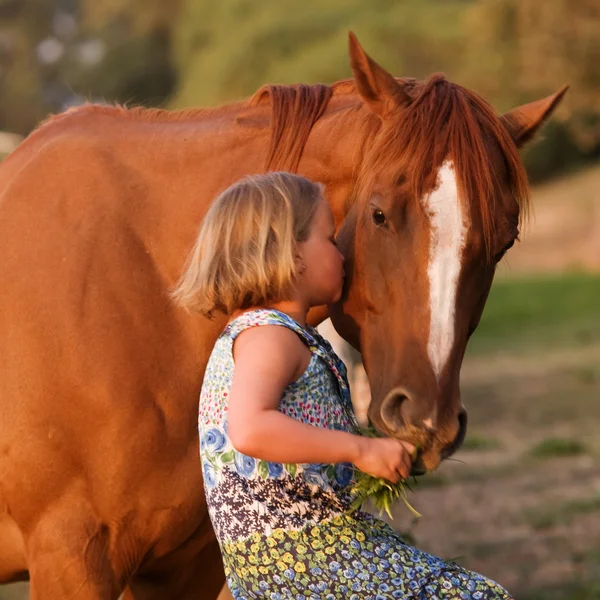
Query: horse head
{"type": "Point", "coordinates": [440, 194]}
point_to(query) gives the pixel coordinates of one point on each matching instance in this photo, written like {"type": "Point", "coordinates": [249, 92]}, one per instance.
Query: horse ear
{"type": "Point", "coordinates": [524, 121]}
{"type": "Point", "coordinates": [379, 89]}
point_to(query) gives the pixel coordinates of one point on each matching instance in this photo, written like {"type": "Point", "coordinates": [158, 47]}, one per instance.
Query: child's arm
{"type": "Point", "coordinates": [267, 359]}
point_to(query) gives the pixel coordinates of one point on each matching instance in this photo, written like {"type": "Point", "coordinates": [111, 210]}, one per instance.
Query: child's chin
{"type": "Point", "coordinates": [333, 297]}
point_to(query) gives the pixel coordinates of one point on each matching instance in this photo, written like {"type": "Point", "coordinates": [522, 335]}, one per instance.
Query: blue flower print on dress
{"type": "Point", "coordinates": [245, 465]}
{"type": "Point", "coordinates": [344, 473]}
{"type": "Point", "coordinates": [208, 471]}
{"type": "Point", "coordinates": [275, 469]}
{"type": "Point", "coordinates": [313, 476]}
{"type": "Point", "coordinates": [215, 440]}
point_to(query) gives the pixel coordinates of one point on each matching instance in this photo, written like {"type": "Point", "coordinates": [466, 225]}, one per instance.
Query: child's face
{"type": "Point", "coordinates": [322, 280]}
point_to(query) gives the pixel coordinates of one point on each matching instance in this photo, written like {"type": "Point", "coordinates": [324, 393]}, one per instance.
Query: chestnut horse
{"type": "Point", "coordinates": [100, 482]}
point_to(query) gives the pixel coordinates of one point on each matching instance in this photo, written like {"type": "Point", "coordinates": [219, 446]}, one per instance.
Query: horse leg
{"type": "Point", "coordinates": [186, 574]}
{"type": "Point", "coordinates": [70, 560]}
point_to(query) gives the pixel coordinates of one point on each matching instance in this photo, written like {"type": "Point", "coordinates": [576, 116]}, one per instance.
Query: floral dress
{"type": "Point", "coordinates": [287, 530]}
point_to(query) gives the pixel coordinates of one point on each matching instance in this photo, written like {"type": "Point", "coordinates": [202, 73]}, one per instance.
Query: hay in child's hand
{"type": "Point", "coordinates": [381, 492]}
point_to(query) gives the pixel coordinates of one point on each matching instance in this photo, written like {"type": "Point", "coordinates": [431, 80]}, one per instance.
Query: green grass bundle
{"type": "Point", "coordinates": [381, 492]}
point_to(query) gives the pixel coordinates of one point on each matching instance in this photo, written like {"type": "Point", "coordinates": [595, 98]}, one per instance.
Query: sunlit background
{"type": "Point", "coordinates": [522, 501]}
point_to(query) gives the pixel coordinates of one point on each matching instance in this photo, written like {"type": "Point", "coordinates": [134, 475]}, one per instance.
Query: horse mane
{"type": "Point", "coordinates": [446, 121]}
{"type": "Point", "coordinates": [294, 111]}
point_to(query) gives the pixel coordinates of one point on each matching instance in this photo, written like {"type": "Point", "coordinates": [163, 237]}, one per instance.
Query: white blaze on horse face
{"type": "Point", "coordinates": [448, 236]}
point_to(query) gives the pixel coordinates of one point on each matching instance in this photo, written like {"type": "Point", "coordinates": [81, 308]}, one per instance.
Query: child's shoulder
{"type": "Point", "coordinates": [275, 344]}
{"type": "Point", "coordinates": [271, 338]}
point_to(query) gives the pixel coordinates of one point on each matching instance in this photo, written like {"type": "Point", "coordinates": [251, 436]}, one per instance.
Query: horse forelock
{"type": "Point", "coordinates": [447, 122]}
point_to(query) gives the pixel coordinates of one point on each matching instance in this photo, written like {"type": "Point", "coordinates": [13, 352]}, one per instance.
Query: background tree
{"type": "Point", "coordinates": [226, 50]}
{"type": "Point", "coordinates": [518, 50]}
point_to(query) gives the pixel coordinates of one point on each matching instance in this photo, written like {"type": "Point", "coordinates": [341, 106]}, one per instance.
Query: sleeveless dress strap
{"type": "Point", "coordinates": [311, 337]}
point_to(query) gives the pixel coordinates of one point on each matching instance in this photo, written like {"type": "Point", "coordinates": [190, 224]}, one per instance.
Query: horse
{"type": "Point", "coordinates": [100, 482]}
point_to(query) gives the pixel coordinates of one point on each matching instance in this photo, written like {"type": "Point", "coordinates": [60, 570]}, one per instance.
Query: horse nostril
{"type": "Point", "coordinates": [391, 409]}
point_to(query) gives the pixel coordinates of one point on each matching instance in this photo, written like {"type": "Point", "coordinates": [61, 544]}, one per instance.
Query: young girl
{"type": "Point", "coordinates": [278, 437]}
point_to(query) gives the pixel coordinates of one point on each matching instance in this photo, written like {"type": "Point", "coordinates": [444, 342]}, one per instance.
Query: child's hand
{"type": "Point", "coordinates": [385, 457]}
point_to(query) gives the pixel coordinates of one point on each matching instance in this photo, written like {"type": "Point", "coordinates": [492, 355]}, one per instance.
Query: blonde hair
{"type": "Point", "coordinates": [245, 252]}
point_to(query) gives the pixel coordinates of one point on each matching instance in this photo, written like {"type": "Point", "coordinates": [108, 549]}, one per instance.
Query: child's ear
{"type": "Point", "coordinates": [299, 262]}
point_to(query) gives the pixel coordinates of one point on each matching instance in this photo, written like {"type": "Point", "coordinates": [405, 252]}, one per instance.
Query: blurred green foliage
{"type": "Point", "coordinates": [54, 53]}
{"type": "Point", "coordinates": [226, 50]}
{"type": "Point", "coordinates": [552, 311]}
{"type": "Point", "coordinates": [136, 34]}
{"type": "Point", "coordinates": [206, 52]}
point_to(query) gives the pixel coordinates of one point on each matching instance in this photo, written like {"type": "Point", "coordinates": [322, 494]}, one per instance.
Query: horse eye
{"type": "Point", "coordinates": [500, 255]}
{"type": "Point", "coordinates": [379, 218]}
